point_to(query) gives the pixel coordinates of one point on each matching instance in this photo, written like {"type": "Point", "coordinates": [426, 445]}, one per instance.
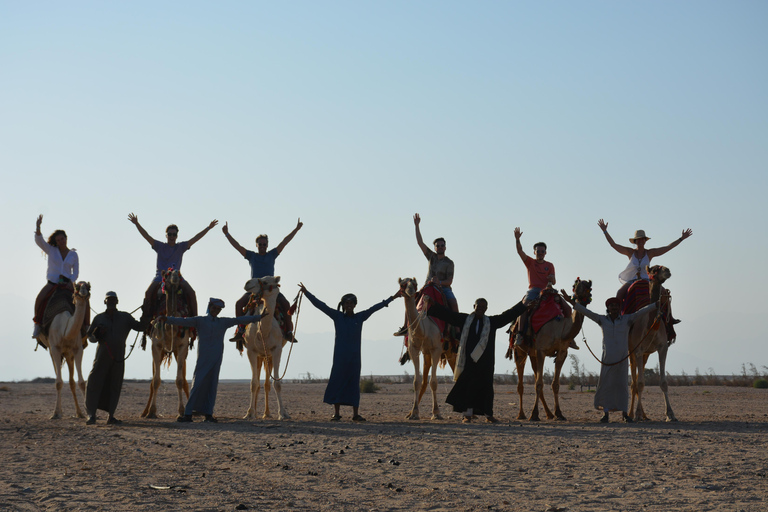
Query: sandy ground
{"type": "Point", "coordinates": [714, 458]}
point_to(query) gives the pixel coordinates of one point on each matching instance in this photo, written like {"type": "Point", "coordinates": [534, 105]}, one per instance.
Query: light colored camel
{"type": "Point", "coordinates": [424, 337]}
{"type": "Point", "coordinates": [648, 335]}
{"type": "Point", "coordinates": [65, 343]}
{"type": "Point", "coordinates": [169, 340]}
{"type": "Point", "coordinates": [552, 340]}
{"type": "Point", "coordinates": [264, 343]}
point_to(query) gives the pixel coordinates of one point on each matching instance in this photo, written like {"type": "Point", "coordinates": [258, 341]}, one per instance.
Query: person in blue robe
{"type": "Point", "coordinates": [344, 383]}
{"type": "Point", "coordinates": [210, 352]}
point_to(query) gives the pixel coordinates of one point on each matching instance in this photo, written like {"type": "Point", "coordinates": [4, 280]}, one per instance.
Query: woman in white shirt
{"type": "Point", "coordinates": [63, 269]}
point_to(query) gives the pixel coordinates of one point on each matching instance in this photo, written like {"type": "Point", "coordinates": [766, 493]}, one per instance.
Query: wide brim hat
{"type": "Point", "coordinates": [640, 233]}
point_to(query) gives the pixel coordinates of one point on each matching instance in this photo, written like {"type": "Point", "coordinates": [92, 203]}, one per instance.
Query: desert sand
{"type": "Point", "coordinates": [714, 458]}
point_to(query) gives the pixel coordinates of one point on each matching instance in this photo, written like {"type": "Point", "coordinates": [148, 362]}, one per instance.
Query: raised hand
{"type": "Point", "coordinates": [518, 233]}
{"type": "Point", "coordinates": [133, 218]}
{"type": "Point", "coordinates": [416, 219]}
{"type": "Point", "coordinates": [686, 233]}
{"type": "Point", "coordinates": [603, 225]}
{"type": "Point", "coordinates": [225, 228]}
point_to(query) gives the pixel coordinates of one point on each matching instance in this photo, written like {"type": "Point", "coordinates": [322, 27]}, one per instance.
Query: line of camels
{"type": "Point", "coordinates": [264, 344]}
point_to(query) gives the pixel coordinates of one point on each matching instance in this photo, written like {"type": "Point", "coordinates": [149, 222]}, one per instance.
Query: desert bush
{"type": "Point", "coordinates": [368, 386]}
{"type": "Point", "coordinates": [760, 383]}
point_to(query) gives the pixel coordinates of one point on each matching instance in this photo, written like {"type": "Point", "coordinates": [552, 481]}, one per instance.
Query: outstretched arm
{"type": "Point", "coordinates": [626, 251]}
{"type": "Point", "coordinates": [289, 237]}
{"type": "Point", "coordinates": [652, 253]}
{"type": "Point", "coordinates": [322, 306]}
{"type": "Point", "coordinates": [133, 218]}
{"type": "Point", "coordinates": [201, 234]}
{"type": "Point", "coordinates": [581, 309]}
{"type": "Point", "coordinates": [232, 241]}
{"type": "Point", "coordinates": [419, 240]}
{"type": "Point", "coordinates": [519, 246]}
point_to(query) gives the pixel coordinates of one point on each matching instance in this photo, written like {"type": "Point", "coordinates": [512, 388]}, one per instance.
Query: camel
{"type": "Point", "coordinates": [264, 343]}
{"type": "Point", "coordinates": [64, 342]}
{"type": "Point", "coordinates": [424, 337]}
{"type": "Point", "coordinates": [648, 335]}
{"type": "Point", "coordinates": [552, 340]}
{"type": "Point", "coordinates": [168, 340]}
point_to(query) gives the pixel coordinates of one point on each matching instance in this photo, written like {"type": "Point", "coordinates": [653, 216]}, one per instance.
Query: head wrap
{"type": "Point", "coordinates": [345, 298]}
{"type": "Point", "coordinates": [110, 294]}
{"type": "Point", "coordinates": [612, 300]}
{"type": "Point", "coordinates": [214, 302]}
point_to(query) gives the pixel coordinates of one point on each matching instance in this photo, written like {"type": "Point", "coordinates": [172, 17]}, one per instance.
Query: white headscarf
{"type": "Point", "coordinates": [461, 359]}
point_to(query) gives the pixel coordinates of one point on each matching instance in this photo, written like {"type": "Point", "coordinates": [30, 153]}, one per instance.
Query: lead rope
{"type": "Point", "coordinates": [293, 337]}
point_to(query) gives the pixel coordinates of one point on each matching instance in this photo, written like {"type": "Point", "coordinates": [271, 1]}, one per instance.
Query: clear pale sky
{"type": "Point", "coordinates": [355, 115]}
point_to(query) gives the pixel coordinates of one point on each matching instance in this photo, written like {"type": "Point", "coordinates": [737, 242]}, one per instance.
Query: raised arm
{"type": "Point", "coordinates": [237, 246]}
{"type": "Point", "coordinates": [39, 240]}
{"type": "Point", "coordinates": [322, 306]}
{"type": "Point", "coordinates": [652, 253]}
{"type": "Point", "coordinates": [133, 218]}
{"type": "Point", "coordinates": [581, 309]}
{"type": "Point", "coordinates": [626, 251]}
{"type": "Point", "coordinates": [419, 240]}
{"type": "Point", "coordinates": [519, 246]}
{"type": "Point", "coordinates": [289, 237]}
{"type": "Point", "coordinates": [201, 234]}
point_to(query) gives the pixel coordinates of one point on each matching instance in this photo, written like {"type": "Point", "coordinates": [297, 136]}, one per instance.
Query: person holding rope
{"type": "Point", "coordinates": [109, 330]}
{"type": "Point", "coordinates": [612, 389]}
{"type": "Point", "coordinates": [344, 383]}
{"type": "Point", "coordinates": [210, 353]}
{"type": "Point", "coordinates": [262, 265]}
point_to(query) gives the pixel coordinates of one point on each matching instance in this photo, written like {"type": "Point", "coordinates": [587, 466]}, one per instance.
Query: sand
{"type": "Point", "coordinates": [714, 458]}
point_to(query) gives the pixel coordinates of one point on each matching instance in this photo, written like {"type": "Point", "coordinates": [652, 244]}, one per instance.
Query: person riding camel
{"type": "Point", "coordinates": [169, 255]}
{"type": "Point", "coordinates": [541, 277]}
{"type": "Point", "coordinates": [63, 270]}
{"type": "Point", "coordinates": [639, 259]}
{"type": "Point", "coordinates": [262, 265]}
{"type": "Point", "coordinates": [439, 272]}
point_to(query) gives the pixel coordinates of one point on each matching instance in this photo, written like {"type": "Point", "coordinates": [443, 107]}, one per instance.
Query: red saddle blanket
{"type": "Point", "coordinates": [548, 309]}
{"type": "Point", "coordinates": [638, 296]}
{"type": "Point", "coordinates": [435, 297]}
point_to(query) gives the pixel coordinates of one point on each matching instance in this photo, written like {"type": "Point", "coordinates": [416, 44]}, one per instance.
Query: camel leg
{"type": "Point", "coordinates": [520, 357]}
{"type": "Point", "coordinates": [561, 355]}
{"type": "Point", "coordinates": [181, 356]}
{"type": "Point", "coordinates": [425, 372]}
{"type": "Point", "coordinates": [267, 362]}
{"type": "Point", "coordinates": [540, 385]}
{"type": "Point", "coordinates": [255, 383]}
{"type": "Point", "coordinates": [433, 384]}
{"type": "Point", "coordinates": [663, 383]}
{"type": "Point", "coordinates": [537, 363]}
{"type": "Point", "coordinates": [73, 387]}
{"type": "Point", "coordinates": [80, 380]}
{"type": "Point", "coordinates": [150, 411]}
{"type": "Point", "coordinates": [640, 386]}
{"type": "Point", "coordinates": [57, 362]}
{"type": "Point", "coordinates": [415, 356]}
{"type": "Point", "coordinates": [282, 414]}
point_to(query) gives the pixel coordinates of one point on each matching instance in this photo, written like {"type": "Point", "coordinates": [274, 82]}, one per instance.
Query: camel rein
{"type": "Point", "coordinates": [291, 342]}
{"type": "Point", "coordinates": [650, 329]}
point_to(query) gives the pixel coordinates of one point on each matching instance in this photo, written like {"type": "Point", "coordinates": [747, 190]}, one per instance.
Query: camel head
{"type": "Point", "coordinates": [263, 285]}
{"type": "Point", "coordinates": [582, 291]}
{"type": "Point", "coordinates": [82, 290]}
{"type": "Point", "coordinates": [171, 277]}
{"type": "Point", "coordinates": [658, 274]}
{"type": "Point", "coordinates": [408, 286]}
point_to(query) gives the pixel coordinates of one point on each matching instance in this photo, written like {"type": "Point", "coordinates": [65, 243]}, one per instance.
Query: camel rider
{"type": "Point", "coordinates": [639, 257]}
{"type": "Point", "coordinates": [169, 255]}
{"type": "Point", "coordinates": [541, 274]}
{"type": "Point", "coordinates": [63, 269]}
{"type": "Point", "coordinates": [263, 265]}
{"type": "Point", "coordinates": [439, 272]}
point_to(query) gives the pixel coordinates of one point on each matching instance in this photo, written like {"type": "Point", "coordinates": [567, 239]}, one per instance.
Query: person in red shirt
{"type": "Point", "coordinates": [540, 274]}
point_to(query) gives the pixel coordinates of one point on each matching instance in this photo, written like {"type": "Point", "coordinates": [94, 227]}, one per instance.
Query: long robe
{"type": "Point", "coordinates": [612, 388]}
{"type": "Point", "coordinates": [474, 387]}
{"type": "Point", "coordinates": [344, 383]}
{"type": "Point", "coordinates": [210, 353]}
{"type": "Point", "coordinates": [106, 378]}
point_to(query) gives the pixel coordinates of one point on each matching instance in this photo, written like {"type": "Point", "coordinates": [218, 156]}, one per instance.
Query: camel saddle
{"type": "Point", "coordinates": [639, 296]}
{"type": "Point", "coordinates": [58, 301]}
{"type": "Point", "coordinates": [541, 311]}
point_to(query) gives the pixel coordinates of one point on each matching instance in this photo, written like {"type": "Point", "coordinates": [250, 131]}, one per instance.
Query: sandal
{"type": "Point", "coordinates": [491, 419]}
{"type": "Point", "coordinates": [357, 417]}
{"type": "Point", "coordinates": [335, 417]}
{"type": "Point", "coordinates": [467, 419]}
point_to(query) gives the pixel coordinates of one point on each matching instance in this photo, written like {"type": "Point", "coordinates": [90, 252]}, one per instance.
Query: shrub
{"type": "Point", "coordinates": [368, 386]}
{"type": "Point", "coordinates": [760, 383]}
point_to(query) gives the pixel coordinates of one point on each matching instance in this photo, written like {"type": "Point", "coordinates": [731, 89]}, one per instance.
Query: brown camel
{"type": "Point", "coordinates": [552, 340]}
{"type": "Point", "coordinates": [646, 336]}
{"type": "Point", "coordinates": [64, 343]}
{"type": "Point", "coordinates": [169, 340]}
{"type": "Point", "coordinates": [425, 338]}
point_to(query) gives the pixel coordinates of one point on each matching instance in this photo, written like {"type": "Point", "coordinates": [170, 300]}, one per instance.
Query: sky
{"type": "Point", "coordinates": [353, 116]}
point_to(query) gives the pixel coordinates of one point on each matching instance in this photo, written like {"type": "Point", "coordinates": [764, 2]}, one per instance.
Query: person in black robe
{"type": "Point", "coordinates": [109, 330]}
{"type": "Point", "coordinates": [472, 393]}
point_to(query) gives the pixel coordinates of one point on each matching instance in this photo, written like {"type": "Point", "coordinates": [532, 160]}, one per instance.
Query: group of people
{"type": "Point", "coordinates": [472, 393]}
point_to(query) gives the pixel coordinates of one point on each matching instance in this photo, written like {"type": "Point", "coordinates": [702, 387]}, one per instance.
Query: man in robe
{"type": "Point", "coordinates": [110, 330]}
{"type": "Point", "coordinates": [210, 353]}
{"type": "Point", "coordinates": [472, 393]}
